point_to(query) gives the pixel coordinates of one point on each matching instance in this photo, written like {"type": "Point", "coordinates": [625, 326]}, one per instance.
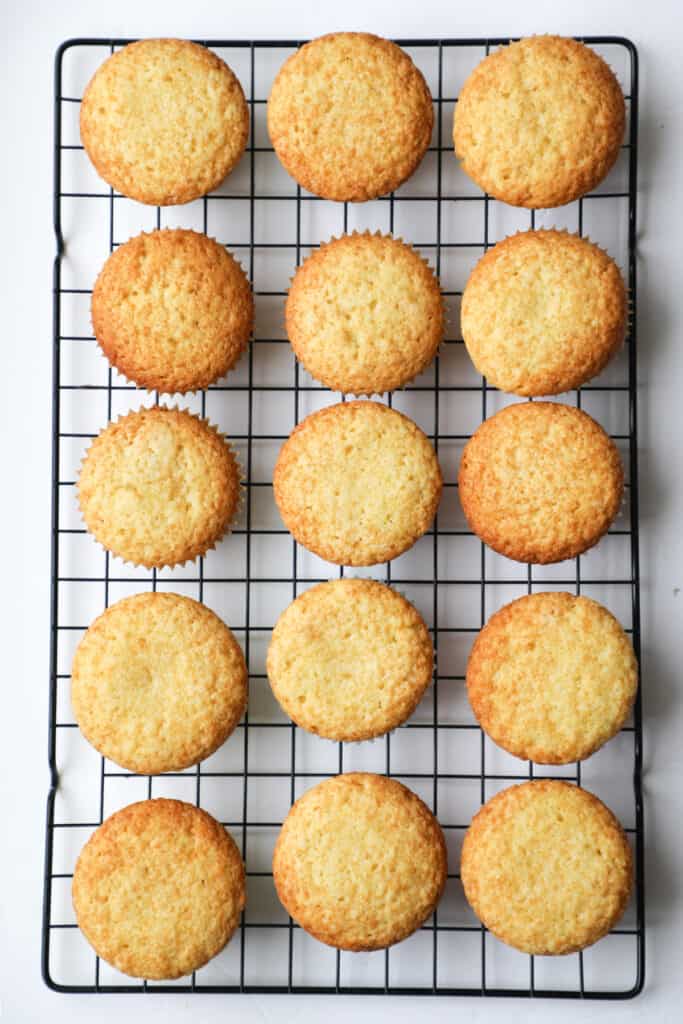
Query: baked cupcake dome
{"type": "Point", "coordinates": [158, 487]}
{"type": "Point", "coordinates": [158, 889]}
{"type": "Point", "coordinates": [360, 862]}
{"type": "Point", "coordinates": [540, 122]}
{"type": "Point", "coordinates": [543, 312]}
{"type": "Point", "coordinates": [551, 677]}
{"type": "Point", "coordinates": [350, 659]}
{"type": "Point", "coordinates": [164, 121]}
{"type": "Point", "coordinates": [546, 867]}
{"type": "Point", "coordinates": [172, 310]}
{"type": "Point", "coordinates": [158, 683]}
{"type": "Point", "coordinates": [540, 482]}
{"type": "Point", "coordinates": [357, 483]}
{"type": "Point", "coordinates": [350, 116]}
{"type": "Point", "coordinates": [364, 314]}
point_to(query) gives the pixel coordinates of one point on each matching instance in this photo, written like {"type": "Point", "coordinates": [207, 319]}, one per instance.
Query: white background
{"type": "Point", "coordinates": [29, 34]}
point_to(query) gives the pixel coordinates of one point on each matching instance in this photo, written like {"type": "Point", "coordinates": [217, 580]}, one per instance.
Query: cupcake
{"type": "Point", "coordinates": [546, 867]}
{"type": "Point", "coordinates": [357, 483]}
{"type": "Point", "coordinates": [158, 683]}
{"type": "Point", "coordinates": [159, 487]}
{"type": "Point", "coordinates": [551, 677]}
{"type": "Point", "coordinates": [360, 862]}
{"type": "Point", "coordinates": [350, 116]}
{"type": "Point", "coordinates": [365, 314]}
{"type": "Point", "coordinates": [543, 312]}
{"type": "Point", "coordinates": [164, 121]}
{"type": "Point", "coordinates": [540, 482]}
{"type": "Point", "coordinates": [540, 122]}
{"type": "Point", "coordinates": [172, 310]}
{"type": "Point", "coordinates": [158, 889]}
{"type": "Point", "coordinates": [350, 659]}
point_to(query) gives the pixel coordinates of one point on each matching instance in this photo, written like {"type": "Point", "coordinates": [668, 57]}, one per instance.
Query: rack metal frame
{"type": "Point", "coordinates": [573, 578]}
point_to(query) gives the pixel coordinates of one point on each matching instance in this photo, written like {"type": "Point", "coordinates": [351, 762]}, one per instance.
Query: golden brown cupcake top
{"type": "Point", "coordinates": [547, 867]}
{"type": "Point", "coordinates": [357, 483]}
{"type": "Point", "coordinates": [551, 677]}
{"type": "Point", "coordinates": [365, 314]}
{"type": "Point", "coordinates": [543, 312]}
{"type": "Point", "coordinates": [540, 122]}
{"type": "Point", "coordinates": [158, 487]}
{"type": "Point", "coordinates": [350, 116]}
{"type": "Point", "coordinates": [158, 889]}
{"type": "Point", "coordinates": [172, 310]}
{"type": "Point", "coordinates": [360, 862]}
{"type": "Point", "coordinates": [350, 659]}
{"type": "Point", "coordinates": [164, 121]}
{"type": "Point", "coordinates": [158, 683]}
{"type": "Point", "coordinates": [540, 482]}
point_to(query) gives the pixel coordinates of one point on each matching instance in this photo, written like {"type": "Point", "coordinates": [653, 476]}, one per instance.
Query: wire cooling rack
{"type": "Point", "coordinates": [249, 784]}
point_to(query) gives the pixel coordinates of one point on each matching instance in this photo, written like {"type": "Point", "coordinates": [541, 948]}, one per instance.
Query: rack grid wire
{"type": "Point", "coordinates": [271, 224]}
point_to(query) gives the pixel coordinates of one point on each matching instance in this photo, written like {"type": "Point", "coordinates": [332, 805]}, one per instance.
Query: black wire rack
{"type": "Point", "coordinates": [452, 954]}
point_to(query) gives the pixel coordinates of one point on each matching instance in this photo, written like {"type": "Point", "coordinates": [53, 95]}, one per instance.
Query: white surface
{"type": "Point", "coordinates": [29, 38]}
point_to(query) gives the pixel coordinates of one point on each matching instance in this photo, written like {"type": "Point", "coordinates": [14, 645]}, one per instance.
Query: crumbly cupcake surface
{"type": "Point", "coordinates": [540, 122]}
{"type": "Point", "coordinates": [172, 310]}
{"type": "Point", "coordinates": [546, 867]}
{"type": "Point", "coordinates": [350, 116]}
{"type": "Point", "coordinates": [365, 314]}
{"type": "Point", "coordinates": [164, 121]}
{"type": "Point", "coordinates": [158, 487]}
{"type": "Point", "coordinates": [158, 889]}
{"type": "Point", "coordinates": [357, 483]}
{"type": "Point", "coordinates": [350, 659]}
{"type": "Point", "coordinates": [551, 677]}
{"type": "Point", "coordinates": [540, 482]}
{"type": "Point", "coordinates": [360, 862]}
{"type": "Point", "coordinates": [543, 312]}
{"type": "Point", "coordinates": [158, 683]}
